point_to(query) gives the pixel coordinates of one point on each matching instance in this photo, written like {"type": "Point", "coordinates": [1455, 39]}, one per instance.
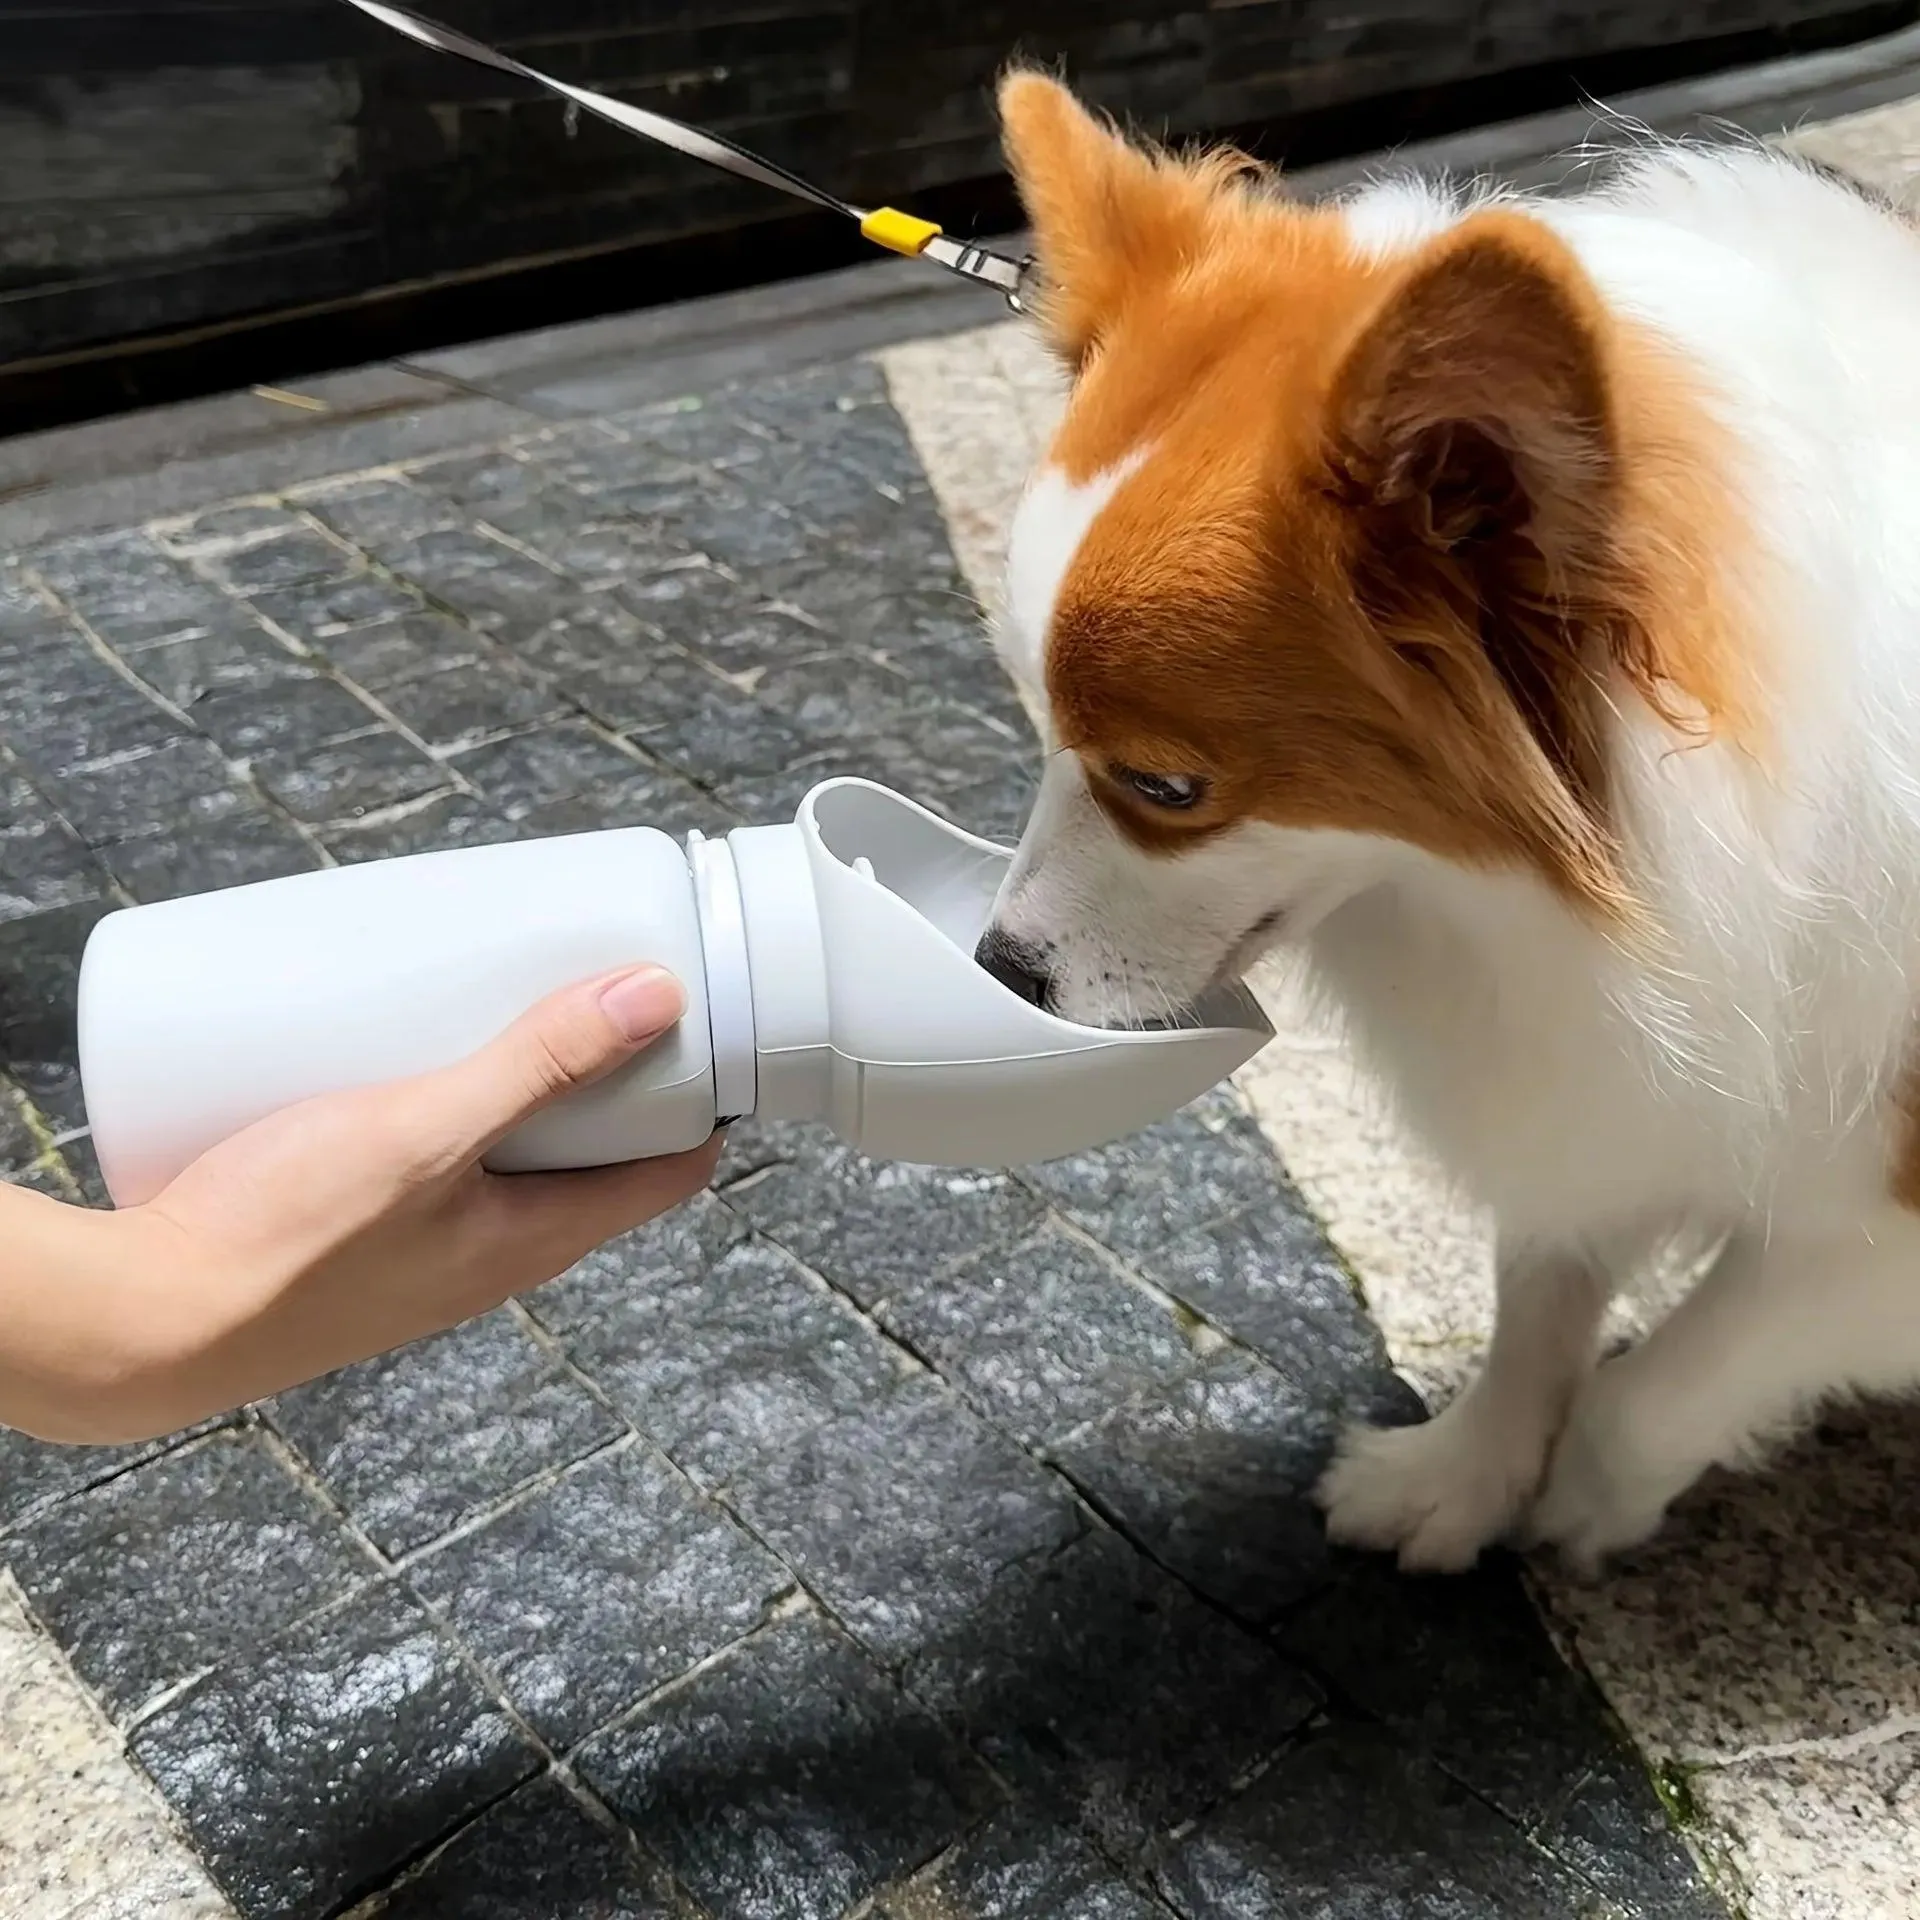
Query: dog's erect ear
{"type": "Point", "coordinates": [1475, 404]}
{"type": "Point", "coordinates": [1106, 216]}
{"type": "Point", "coordinates": [1471, 436]}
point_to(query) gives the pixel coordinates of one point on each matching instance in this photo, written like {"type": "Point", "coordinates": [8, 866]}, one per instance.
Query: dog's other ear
{"type": "Point", "coordinates": [1107, 217]}
{"type": "Point", "coordinates": [1474, 403]}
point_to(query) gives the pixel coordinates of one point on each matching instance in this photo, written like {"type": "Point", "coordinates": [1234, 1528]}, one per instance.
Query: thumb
{"type": "Point", "coordinates": [569, 1040]}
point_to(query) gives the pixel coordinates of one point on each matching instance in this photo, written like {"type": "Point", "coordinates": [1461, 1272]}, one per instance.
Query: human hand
{"type": "Point", "coordinates": [337, 1229]}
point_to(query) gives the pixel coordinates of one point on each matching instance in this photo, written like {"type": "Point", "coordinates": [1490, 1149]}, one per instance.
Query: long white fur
{"type": "Point", "coordinates": [1740, 1080]}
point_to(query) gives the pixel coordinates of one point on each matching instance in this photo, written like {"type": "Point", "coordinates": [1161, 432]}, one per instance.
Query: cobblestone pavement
{"type": "Point", "coordinates": [862, 1540]}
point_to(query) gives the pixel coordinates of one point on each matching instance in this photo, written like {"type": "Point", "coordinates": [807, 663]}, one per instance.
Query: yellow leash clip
{"type": "Point", "coordinates": [887, 227]}
{"type": "Point", "coordinates": [899, 232]}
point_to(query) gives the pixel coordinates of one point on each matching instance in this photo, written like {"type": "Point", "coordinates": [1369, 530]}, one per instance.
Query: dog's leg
{"type": "Point", "coordinates": [1438, 1493]}
{"type": "Point", "coordinates": [1778, 1324]}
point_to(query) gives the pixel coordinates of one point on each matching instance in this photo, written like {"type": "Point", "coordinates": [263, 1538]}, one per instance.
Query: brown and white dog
{"type": "Point", "coordinates": [1514, 607]}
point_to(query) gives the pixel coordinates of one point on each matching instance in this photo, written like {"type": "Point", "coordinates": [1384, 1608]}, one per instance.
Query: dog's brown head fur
{"type": "Point", "coordinates": [1392, 526]}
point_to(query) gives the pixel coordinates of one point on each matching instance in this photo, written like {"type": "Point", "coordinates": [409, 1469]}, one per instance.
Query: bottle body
{"type": "Point", "coordinates": [828, 965]}
{"type": "Point", "coordinates": [200, 1016]}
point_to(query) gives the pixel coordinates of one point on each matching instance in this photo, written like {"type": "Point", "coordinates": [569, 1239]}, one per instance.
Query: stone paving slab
{"type": "Point", "coordinates": [859, 1540]}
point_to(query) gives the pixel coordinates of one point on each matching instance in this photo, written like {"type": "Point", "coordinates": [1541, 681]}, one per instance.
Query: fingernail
{"type": "Point", "coordinates": [644, 1002]}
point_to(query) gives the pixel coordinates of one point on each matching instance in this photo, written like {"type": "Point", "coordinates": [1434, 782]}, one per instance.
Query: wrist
{"type": "Point", "coordinates": [83, 1361]}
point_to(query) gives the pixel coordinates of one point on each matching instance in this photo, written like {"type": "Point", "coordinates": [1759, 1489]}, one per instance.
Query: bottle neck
{"type": "Point", "coordinates": [729, 970]}
{"type": "Point", "coordinates": [789, 1006]}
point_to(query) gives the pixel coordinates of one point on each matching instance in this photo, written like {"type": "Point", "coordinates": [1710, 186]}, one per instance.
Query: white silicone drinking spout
{"type": "Point", "coordinates": [828, 965]}
{"type": "Point", "coordinates": [934, 1059]}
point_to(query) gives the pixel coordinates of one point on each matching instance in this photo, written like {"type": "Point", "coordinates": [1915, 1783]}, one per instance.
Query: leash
{"type": "Point", "coordinates": [887, 227]}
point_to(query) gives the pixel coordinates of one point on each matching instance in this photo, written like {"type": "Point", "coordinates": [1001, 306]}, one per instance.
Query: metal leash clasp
{"type": "Point", "coordinates": [1010, 278]}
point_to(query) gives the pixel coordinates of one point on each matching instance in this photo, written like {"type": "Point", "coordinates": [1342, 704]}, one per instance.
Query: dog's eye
{"type": "Point", "coordinates": [1177, 791]}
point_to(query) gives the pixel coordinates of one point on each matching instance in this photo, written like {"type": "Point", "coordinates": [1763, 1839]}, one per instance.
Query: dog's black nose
{"type": "Point", "coordinates": [1014, 964]}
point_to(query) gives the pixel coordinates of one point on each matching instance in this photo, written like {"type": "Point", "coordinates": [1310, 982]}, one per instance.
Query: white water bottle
{"type": "Point", "coordinates": [828, 966]}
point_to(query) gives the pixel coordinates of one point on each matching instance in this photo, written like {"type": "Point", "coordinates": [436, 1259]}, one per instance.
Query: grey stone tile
{"type": "Point", "coordinates": [1460, 1670]}
{"type": "Point", "coordinates": [228, 852]}
{"type": "Point", "coordinates": [624, 676]}
{"type": "Point", "coordinates": [308, 1774]}
{"type": "Point", "coordinates": [741, 530]}
{"type": "Point", "coordinates": [706, 428]}
{"type": "Point", "coordinates": [956, 660]}
{"type": "Point", "coordinates": [903, 1514]}
{"type": "Point", "coordinates": [65, 707]}
{"type": "Point", "coordinates": [39, 982]}
{"type": "Point", "coordinates": [664, 499]}
{"type": "Point", "coordinates": [297, 715]}
{"type": "Point", "coordinates": [554, 763]}
{"type": "Point", "coordinates": [50, 1087]}
{"type": "Point", "coordinates": [1215, 1481]}
{"type": "Point", "coordinates": [389, 652]}
{"type": "Point", "coordinates": [599, 1587]}
{"type": "Point", "coordinates": [789, 1780]}
{"type": "Point", "coordinates": [413, 1442]}
{"type": "Point", "coordinates": [176, 782]}
{"type": "Point", "coordinates": [36, 1474]}
{"type": "Point", "coordinates": [1022, 1867]}
{"type": "Point", "coordinates": [350, 777]}
{"type": "Point", "coordinates": [123, 586]}
{"type": "Point", "coordinates": [727, 1363]}
{"type": "Point", "coordinates": [43, 862]}
{"type": "Point", "coordinates": [832, 489]}
{"type": "Point", "coordinates": [230, 653]}
{"type": "Point", "coordinates": [688, 604]}
{"type": "Point", "coordinates": [1042, 1336]}
{"type": "Point", "coordinates": [186, 1562]}
{"type": "Point", "coordinates": [1350, 1825]}
{"type": "Point", "coordinates": [766, 639]}
{"type": "Point", "coordinates": [930, 628]}
{"type": "Point", "coordinates": [677, 1249]}
{"type": "Point", "coordinates": [647, 798]}
{"type": "Point", "coordinates": [814, 403]}
{"type": "Point", "coordinates": [596, 555]}
{"type": "Point", "coordinates": [290, 559]}
{"type": "Point", "coordinates": [317, 610]}
{"type": "Point", "coordinates": [458, 706]}
{"type": "Point", "coordinates": [1208, 1161]}
{"type": "Point", "coordinates": [1615, 1833]}
{"type": "Point", "coordinates": [982, 787]}
{"type": "Point", "coordinates": [536, 1856]}
{"type": "Point", "coordinates": [668, 493]}
{"type": "Point", "coordinates": [774, 798]}
{"type": "Point", "coordinates": [385, 510]}
{"type": "Point", "coordinates": [48, 1177]}
{"type": "Point", "coordinates": [445, 820]}
{"type": "Point", "coordinates": [834, 696]}
{"type": "Point", "coordinates": [477, 480]}
{"type": "Point", "coordinates": [23, 1131]}
{"type": "Point", "coordinates": [1106, 1694]}
{"type": "Point", "coordinates": [1268, 1276]}
{"type": "Point", "coordinates": [722, 736]}
{"type": "Point", "coordinates": [872, 1226]}
{"type": "Point", "coordinates": [486, 580]}
{"type": "Point", "coordinates": [223, 525]}
{"type": "Point", "coordinates": [83, 1164]}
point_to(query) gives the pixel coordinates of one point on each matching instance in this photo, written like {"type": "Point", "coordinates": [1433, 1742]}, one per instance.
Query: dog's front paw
{"type": "Point", "coordinates": [1434, 1494]}
{"type": "Point", "coordinates": [1602, 1495]}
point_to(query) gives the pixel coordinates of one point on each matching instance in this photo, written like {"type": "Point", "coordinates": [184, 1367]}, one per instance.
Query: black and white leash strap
{"type": "Point", "coordinates": [884, 226]}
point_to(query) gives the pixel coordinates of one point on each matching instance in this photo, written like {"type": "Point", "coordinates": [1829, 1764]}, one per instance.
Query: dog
{"type": "Point", "coordinates": [1511, 606]}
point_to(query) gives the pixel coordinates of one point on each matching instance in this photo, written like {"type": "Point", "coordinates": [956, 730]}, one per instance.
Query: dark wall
{"type": "Point", "coordinates": [174, 164]}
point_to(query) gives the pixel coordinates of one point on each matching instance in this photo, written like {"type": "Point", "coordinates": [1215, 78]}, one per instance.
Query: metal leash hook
{"type": "Point", "coordinates": [887, 227]}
